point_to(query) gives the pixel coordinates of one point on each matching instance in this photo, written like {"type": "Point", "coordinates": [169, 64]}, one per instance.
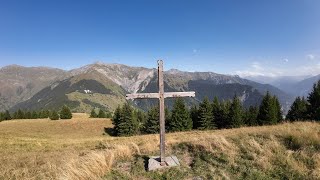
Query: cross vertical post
{"type": "Point", "coordinates": [162, 113]}
{"type": "Point", "coordinates": [161, 95]}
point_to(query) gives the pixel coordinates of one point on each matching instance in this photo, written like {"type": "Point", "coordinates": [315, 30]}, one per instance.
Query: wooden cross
{"type": "Point", "coordinates": [161, 95]}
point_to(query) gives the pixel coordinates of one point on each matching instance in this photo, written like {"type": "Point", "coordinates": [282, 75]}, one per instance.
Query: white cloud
{"type": "Point", "coordinates": [256, 66]}
{"type": "Point", "coordinates": [310, 56]}
{"type": "Point", "coordinates": [285, 60]}
{"type": "Point", "coordinates": [194, 50]}
{"type": "Point", "coordinates": [257, 69]}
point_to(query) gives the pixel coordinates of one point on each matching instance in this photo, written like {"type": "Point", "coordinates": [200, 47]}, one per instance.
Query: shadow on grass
{"type": "Point", "coordinates": [109, 131]}
{"type": "Point", "coordinates": [145, 159]}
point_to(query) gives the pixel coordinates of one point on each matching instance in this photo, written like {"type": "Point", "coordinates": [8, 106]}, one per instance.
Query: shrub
{"type": "Point", "coordinates": [65, 113]}
{"type": "Point", "coordinates": [54, 115]}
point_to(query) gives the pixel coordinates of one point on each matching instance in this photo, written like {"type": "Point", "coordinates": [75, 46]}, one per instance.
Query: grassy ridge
{"type": "Point", "coordinates": [77, 149]}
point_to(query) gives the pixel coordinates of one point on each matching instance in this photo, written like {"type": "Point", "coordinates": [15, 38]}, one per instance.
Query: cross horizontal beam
{"type": "Point", "coordinates": [142, 96]}
{"type": "Point", "coordinates": [179, 94]}
{"type": "Point", "coordinates": [157, 96]}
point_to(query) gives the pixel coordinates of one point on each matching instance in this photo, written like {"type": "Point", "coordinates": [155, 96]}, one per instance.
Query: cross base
{"type": "Point", "coordinates": [154, 162]}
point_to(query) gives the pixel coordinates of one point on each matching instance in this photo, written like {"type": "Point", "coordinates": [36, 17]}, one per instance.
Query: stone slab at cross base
{"type": "Point", "coordinates": [154, 162]}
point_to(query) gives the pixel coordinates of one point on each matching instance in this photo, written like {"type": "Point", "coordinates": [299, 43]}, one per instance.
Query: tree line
{"type": "Point", "coordinates": [217, 114]}
{"type": "Point", "coordinates": [64, 113]}
{"type": "Point", "coordinates": [306, 109]}
{"type": "Point", "coordinates": [101, 113]}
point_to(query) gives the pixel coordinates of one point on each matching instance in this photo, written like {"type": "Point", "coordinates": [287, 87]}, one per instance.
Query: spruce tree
{"type": "Point", "coordinates": [34, 115]}
{"type": "Point", "coordinates": [194, 116]}
{"type": "Point", "coordinates": [28, 115]}
{"type": "Point", "coordinates": [15, 115]}
{"type": "Point", "coordinates": [116, 120]}
{"type": "Point", "coordinates": [278, 109]}
{"type": "Point", "coordinates": [40, 114]}
{"type": "Point", "coordinates": [205, 115]}
{"type": "Point", "coordinates": [43, 114]}
{"type": "Point", "coordinates": [127, 126]}
{"type": "Point", "coordinates": [140, 117]}
{"type": "Point", "coordinates": [236, 113]}
{"type": "Point", "coordinates": [20, 114]}
{"type": "Point", "coordinates": [7, 115]}
{"type": "Point", "coordinates": [93, 114]}
{"type": "Point", "coordinates": [152, 125]}
{"type": "Point", "coordinates": [314, 102]}
{"type": "Point", "coordinates": [180, 119]}
{"type": "Point", "coordinates": [167, 118]}
{"type": "Point", "coordinates": [108, 114]}
{"type": "Point", "coordinates": [54, 115]}
{"type": "Point", "coordinates": [251, 116]}
{"type": "Point", "coordinates": [216, 110]}
{"type": "Point", "coordinates": [298, 110]}
{"type": "Point", "coordinates": [268, 113]}
{"type": "Point", "coordinates": [101, 114]}
{"type": "Point", "coordinates": [222, 118]}
{"type": "Point", "coordinates": [65, 113]}
{"type": "Point", "coordinates": [1, 116]}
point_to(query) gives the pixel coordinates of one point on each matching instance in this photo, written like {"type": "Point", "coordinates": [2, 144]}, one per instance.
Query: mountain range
{"type": "Point", "coordinates": [104, 86]}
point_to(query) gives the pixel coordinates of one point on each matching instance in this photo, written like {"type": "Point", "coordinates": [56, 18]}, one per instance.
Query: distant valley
{"type": "Point", "coordinates": [294, 85]}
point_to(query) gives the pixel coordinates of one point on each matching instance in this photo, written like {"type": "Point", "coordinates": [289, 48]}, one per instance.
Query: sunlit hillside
{"type": "Point", "coordinates": [81, 148]}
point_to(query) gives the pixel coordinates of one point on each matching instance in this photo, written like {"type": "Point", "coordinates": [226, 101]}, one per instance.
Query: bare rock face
{"type": "Point", "coordinates": [131, 79]}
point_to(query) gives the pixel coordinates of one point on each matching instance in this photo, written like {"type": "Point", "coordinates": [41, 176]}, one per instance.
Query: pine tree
{"type": "Point", "coordinates": [40, 114]}
{"type": "Point", "coordinates": [167, 118]}
{"type": "Point", "coordinates": [15, 115]}
{"type": "Point", "coordinates": [108, 114]}
{"type": "Point", "coordinates": [7, 115]}
{"type": "Point", "coordinates": [93, 114]}
{"type": "Point", "coordinates": [216, 110]}
{"type": "Point", "coordinates": [43, 114]}
{"type": "Point", "coordinates": [101, 114]}
{"type": "Point", "coordinates": [222, 118]}
{"type": "Point", "coordinates": [20, 114]}
{"type": "Point", "coordinates": [34, 115]}
{"type": "Point", "coordinates": [140, 117]}
{"type": "Point", "coordinates": [54, 115]}
{"type": "Point", "coordinates": [236, 113]}
{"type": "Point", "coordinates": [314, 102]}
{"type": "Point", "coordinates": [268, 113]}
{"type": "Point", "coordinates": [180, 119]}
{"type": "Point", "coordinates": [298, 110]}
{"type": "Point", "coordinates": [152, 125]}
{"type": "Point", "coordinates": [65, 113]}
{"type": "Point", "coordinates": [251, 116]}
{"type": "Point", "coordinates": [116, 120]}
{"type": "Point", "coordinates": [278, 109]}
{"type": "Point", "coordinates": [127, 126]}
{"type": "Point", "coordinates": [205, 115]}
{"type": "Point", "coordinates": [1, 116]}
{"type": "Point", "coordinates": [194, 116]}
{"type": "Point", "coordinates": [28, 115]}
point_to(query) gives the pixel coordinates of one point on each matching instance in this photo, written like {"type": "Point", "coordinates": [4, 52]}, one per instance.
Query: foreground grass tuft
{"type": "Point", "coordinates": [77, 149]}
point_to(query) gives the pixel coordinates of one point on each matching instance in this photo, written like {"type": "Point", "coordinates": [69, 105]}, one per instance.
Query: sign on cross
{"type": "Point", "coordinates": [161, 95]}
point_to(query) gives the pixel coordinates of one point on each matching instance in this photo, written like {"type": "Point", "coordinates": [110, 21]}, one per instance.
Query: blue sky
{"type": "Point", "coordinates": [250, 37]}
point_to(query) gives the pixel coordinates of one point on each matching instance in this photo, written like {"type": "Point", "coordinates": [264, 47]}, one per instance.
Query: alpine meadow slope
{"type": "Point", "coordinates": [78, 149]}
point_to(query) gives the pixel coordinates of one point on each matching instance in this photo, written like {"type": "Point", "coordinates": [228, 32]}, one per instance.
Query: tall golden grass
{"type": "Point", "coordinates": [78, 149]}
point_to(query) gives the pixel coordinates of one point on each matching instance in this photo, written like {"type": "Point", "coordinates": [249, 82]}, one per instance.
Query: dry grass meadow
{"type": "Point", "coordinates": [79, 149]}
